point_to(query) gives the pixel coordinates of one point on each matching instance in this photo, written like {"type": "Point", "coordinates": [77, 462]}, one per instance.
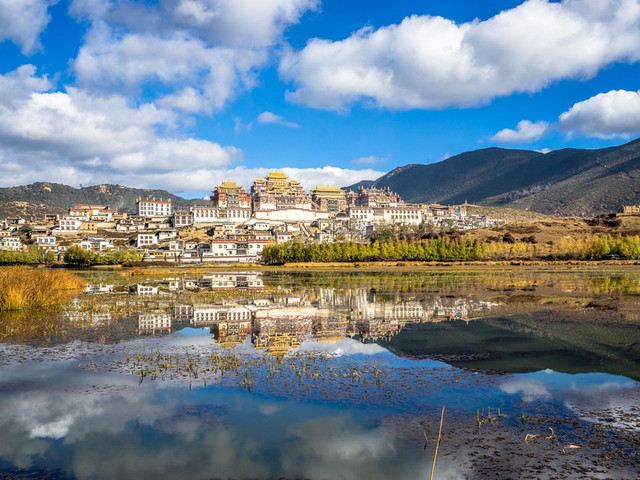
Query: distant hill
{"type": "Point", "coordinates": [33, 201]}
{"type": "Point", "coordinates": [562, 182]}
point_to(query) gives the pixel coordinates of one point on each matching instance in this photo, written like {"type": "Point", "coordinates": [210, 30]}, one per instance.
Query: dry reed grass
{"type": "Point", "coordinates": [25, 288]}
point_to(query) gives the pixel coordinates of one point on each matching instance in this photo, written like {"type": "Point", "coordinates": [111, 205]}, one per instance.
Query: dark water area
{"type": "Point", "coordinates": [327, 376]}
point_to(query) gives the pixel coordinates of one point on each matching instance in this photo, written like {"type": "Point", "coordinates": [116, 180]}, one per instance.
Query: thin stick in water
{"type": "Point", "coordinates": [435, 455]}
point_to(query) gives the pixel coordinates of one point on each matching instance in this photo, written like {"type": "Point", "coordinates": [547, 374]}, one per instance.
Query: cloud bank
{"type": "Point", "coordinates": [430, 62]}
{"type": "Point", "coordinates": [77, 137]}
{"type": "Point", "coordinates": [204, 52]}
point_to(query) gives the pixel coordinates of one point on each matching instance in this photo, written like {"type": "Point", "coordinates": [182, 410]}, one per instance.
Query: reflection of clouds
{"type": "Point", "coordinates": [604, 387]}
{"type": "Point", "coordinates": [529, 389]}
{"type": "Point", "coordinates": [268, 408]}
{"type": "Point", "coordinates": [592, 396]}
{"type": "Point", "coordinates": [337, 447]}
{"type": "Point", "coordinates": [101, 422]}
{"type": "Point", "coordinates": [612, 403]}
{"type": "Point", "coordinates": [154, 431]}
{"type": "Point", "coordinates": [211, 451]}
{"type": "Point", "coordinates": [345, 346]}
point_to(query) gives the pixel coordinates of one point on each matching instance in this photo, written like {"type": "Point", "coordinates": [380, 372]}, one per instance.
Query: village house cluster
{"type": "Point", "coordinates": [234, 225]}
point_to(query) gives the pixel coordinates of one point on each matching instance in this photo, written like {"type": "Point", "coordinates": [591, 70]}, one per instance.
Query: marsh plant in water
{"type": "Point", "coordinates": [28, 288]}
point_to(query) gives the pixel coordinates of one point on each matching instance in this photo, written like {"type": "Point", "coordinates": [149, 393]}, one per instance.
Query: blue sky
{"type": "Point", "coordinates": [182, 94]}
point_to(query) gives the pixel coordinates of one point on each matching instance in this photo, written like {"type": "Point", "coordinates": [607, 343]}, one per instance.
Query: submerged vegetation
{"type": "Point", "coordinates": [24, 288]}
{"type": "Point", "coordinates": [457, 249]}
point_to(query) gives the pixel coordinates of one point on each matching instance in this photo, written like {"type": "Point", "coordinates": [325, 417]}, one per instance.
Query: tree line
{"type": "Point", "coordinates": [74, 255]}
{"type": "Point", "coordinates": [455, 249]}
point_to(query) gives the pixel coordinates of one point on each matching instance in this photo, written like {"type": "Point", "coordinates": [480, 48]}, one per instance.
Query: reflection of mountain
{"type": "Point", "coordinates": [285, 322]}
{"type": "Point", "coordinates": [524, 344]}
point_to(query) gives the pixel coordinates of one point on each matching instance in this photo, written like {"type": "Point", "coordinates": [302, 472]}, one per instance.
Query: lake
{"type": "Point", "coordinates": [208, 374]}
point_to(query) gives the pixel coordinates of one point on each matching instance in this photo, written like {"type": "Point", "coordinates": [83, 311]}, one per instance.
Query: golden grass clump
{"type": "Point", "coordinates": [26, 288]}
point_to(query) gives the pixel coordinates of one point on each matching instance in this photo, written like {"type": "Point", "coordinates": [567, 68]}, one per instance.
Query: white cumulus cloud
{"type": "Point", "coordinates": [432, 62]}
{"type": "Point", "coordinates": [22, 21]}
{"type": "Point", "coordinates": [525, 132]}
{"type": "Point", "coordinates": [75, 137]}
{"type": "Point", "coordinates": [271, 118]}
{"type": "Point", "coordinates": [606, 115]}
{"type": "Point", "coordinates": [203, 51]}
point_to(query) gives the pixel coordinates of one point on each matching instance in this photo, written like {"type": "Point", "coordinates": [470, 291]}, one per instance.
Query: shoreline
{"type": "Point", "coordinates": [373, 266]}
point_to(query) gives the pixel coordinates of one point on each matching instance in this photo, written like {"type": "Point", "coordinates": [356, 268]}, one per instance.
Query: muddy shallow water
{"type": "Point", "coordinates": [342, 376]}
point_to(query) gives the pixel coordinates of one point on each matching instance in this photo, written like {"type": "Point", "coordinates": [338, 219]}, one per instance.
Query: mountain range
{"type": "Point", "coordinates": [34, 200]}
{"type": "Point", "coordinates": [562, 182]}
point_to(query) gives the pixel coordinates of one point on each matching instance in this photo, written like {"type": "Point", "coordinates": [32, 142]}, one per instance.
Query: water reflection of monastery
{"type": "Point", "coordinates": [277, 324]}
{"type": "Point", "coordinates": [215, 281]}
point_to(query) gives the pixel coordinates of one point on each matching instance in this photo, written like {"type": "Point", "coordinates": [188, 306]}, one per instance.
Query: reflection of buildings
{"type": "Point", "coordinates": [288, 321]}
{"type": "Point", "coordinates": [99, 288]}
{"type": "Point", "coordinates": [228, 281]}
{"type": "Point", "coordinates": [277, 329]}
{"type": "Point", "coordinates": [214, 281]}
{"type": "Point", "coordinates": [231, 324]}
{"type": "Point", "coordinates": [87, 318]}
{"type": "Point", "coordinates": [154, 322]}
{"type": "Point", "coordinates": [283, 322]}
{"type": "Point", "coordinates": [371, 329]}
{"type": "Point", "coordinates": [232, 332]}
{"type": "Point", "coordinates": [330, 328]}
{"type": "Point", "coordinates": [146, 290]}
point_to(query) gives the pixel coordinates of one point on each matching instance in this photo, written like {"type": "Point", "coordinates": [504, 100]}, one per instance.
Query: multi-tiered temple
{"type": "Point", "coordinates": [277, 192]}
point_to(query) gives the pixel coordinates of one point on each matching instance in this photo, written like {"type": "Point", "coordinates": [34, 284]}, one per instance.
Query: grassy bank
{"type": "Point", "coordinates": [27, 288]}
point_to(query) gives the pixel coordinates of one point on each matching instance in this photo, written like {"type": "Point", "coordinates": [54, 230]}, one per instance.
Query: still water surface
{"type": "Point", "coordinates": [318, 376]}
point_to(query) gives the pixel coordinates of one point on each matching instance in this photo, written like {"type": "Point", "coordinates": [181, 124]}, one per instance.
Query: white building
{"type": "Point", "coordinates": [402, 215]}
{"type": "Point", "coordinates": [211, 215]}
{"type": "Point", "coordinates": [176, 245]}
{"type": "Point", "coordinates": [146, 240]}
{"type": "Point", "coordinates": [182, 218]}
{"type": "Point", "coordinates": [205, 214]}
{"type": "Point", "coordinates": [291, 215]}
{"type": "Point", "coordinates": [96, 244]}
{"type": "Point", "coordinates": [69, 225]}
{"type": "Point", "coordinates": [232, 281]}
{"type": "Point", "coordinates": [10, 243]}
{"type": "Point", "coordinates": [153, 208]}
{"type": "Point", "coordinates": [92, 212]}
{"type": "Point", "coordinates": [46, 241]}
{"type": "Point", "coordinates": [361, 214]}
{"type": "Point", "coordinates": [283, 237]}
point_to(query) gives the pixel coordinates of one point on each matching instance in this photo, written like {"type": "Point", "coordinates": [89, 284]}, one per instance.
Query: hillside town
{"type": "Point", "coordinates": [234, 226]}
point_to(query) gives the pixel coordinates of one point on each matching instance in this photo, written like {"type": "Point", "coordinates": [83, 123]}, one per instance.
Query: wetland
{"type": "Point", "coordinates": [206, 374]}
